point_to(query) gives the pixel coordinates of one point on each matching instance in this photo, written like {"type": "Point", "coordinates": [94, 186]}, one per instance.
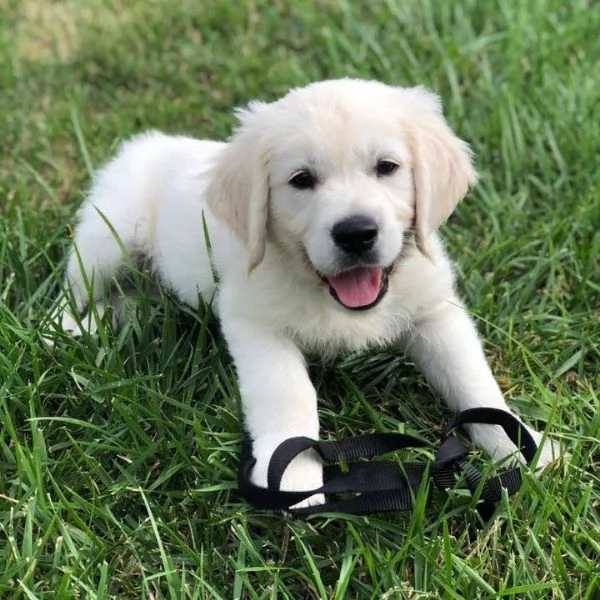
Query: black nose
{"type": "Point", "coordinates": [355, 234]}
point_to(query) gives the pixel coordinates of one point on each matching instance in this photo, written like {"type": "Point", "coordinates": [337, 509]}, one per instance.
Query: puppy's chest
{"type": "Point", "coordinates": [334, 332]}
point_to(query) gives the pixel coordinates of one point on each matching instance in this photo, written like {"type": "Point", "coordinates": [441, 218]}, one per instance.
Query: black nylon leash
{"type": "Point", "coordinates": [385, 485]}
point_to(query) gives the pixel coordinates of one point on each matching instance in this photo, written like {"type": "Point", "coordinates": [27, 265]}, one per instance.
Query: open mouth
{"type": "Point", "coordinates": [359, 288]}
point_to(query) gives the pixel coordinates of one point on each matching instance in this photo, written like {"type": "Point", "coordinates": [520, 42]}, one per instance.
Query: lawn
{"type": "Point", "coordinates": [118, 453]}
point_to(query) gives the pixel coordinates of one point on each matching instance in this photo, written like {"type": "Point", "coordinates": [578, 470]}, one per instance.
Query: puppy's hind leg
{"type": "Point", "coordinates": [115, 226]}
{"type": "Point", "coordinates": [98, 254]}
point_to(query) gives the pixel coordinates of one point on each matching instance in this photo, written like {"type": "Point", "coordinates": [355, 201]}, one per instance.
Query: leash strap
{"type": "Point", "coordinates": [355, 485]}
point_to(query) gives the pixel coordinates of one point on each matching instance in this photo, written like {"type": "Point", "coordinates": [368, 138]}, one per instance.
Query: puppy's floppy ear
{"type": "Point", "coordinates": [442, 165]}
{"type": "Point", "coordinates": [238, 191]}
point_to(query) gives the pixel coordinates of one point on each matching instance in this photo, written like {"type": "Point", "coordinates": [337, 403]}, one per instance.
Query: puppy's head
{"type": "Point", "coordinates": [336, 174]}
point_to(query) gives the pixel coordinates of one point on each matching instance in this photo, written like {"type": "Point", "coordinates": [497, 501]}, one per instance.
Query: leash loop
{"type": "Point", "coordinates": [361, 485]}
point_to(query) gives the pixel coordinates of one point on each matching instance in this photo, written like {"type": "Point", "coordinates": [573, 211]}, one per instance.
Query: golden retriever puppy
{"type": "Point", "coordinates": [320, 217]}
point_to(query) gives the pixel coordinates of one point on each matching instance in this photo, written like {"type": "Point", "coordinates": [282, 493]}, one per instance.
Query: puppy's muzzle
{"type": "Point", "coordinates": [361, 282]}
{"type": "Point", "coordinates": [355, 235]}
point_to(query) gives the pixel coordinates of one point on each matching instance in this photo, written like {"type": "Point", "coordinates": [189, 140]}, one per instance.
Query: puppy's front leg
{"type": "Point", "coordinates": [447, 349]}
{"type": "Point", "coordinates": [279, 401]}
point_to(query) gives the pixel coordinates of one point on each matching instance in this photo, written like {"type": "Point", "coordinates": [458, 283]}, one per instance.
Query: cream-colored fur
{"type": "Point", "coordinates": [271, 244]}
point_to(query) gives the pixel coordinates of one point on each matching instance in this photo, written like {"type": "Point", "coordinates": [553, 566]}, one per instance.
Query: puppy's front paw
{"type": "Point", "coordinates": [498, 445]}
{"type": "Point", "coordinates": [304, 473]}
{"type": "Point", "coordinates": [550, 450]}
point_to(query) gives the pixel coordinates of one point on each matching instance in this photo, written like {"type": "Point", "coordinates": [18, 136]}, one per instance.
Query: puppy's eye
{"type": "Point", "coordinates": [303, 180]}
{"type": "Point", "coordinates": [386, 167]}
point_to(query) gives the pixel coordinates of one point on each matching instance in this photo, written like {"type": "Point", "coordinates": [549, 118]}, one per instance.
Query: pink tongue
{"type": "Point", "coordinates": [357, 287]}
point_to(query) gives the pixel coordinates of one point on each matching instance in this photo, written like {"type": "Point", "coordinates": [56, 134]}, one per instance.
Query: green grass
{"type": "Point", "coordinates": [118, 453]}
